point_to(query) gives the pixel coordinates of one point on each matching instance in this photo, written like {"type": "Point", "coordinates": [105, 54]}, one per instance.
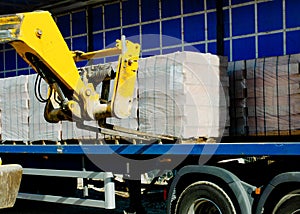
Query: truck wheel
{"type": "Point", "coordinates": [204, 197]}
{"type": "Point", "coordinates": [290, 203]}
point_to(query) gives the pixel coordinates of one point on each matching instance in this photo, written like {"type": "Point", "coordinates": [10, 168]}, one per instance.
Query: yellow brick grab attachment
{"type": "Point", "coordinates": [37, 39]}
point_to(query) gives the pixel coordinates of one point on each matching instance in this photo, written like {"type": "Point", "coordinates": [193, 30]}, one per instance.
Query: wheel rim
{"type": "Point", "coordinates": [296, 212]}
{"type": "Point", "coordinates": [204, 205]}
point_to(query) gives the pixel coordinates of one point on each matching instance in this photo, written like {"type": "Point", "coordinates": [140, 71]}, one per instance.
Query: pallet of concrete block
{"type": "Point", "coordinates": [272, 95]}
{"type": "Point", "coordinates": [183, 94]}
{"type": "Point", "coordinates": [22, 115]}
{"type": "Point", "coordinates": [238, 98]}
{"type": "Point", "coordinates": [273, 91]}
{"type": "Point", "coordinates": [14, 108]}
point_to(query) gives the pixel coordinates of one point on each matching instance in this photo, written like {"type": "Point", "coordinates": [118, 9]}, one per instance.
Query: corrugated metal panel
{"type": "Point", "coordinates": [212, 25]}
{"type": "Point", "coordinates": [10, 60]}
{"type": "Point", "coordinates": [132, 33]}
{"type": "Point", "coordinates": [270, 21]}
{"type": "Point", "coordinates": [193, 6]}
{"type": "Point", "coordinates": [98, 41]}
{"type": "Point", "coordinates": [63, 23]}
{"type": "Point", "coordinates": [243, 20]}
{"type": "Point", "coordinates": [243, 48]}
{"type": "Point", "coordinates": [171, 28]}
{"type": "Point", "coordinates": [212, 47]}
{"type": "Point", "coordinates": [150, 36]}
{"type": "Point", "coordinates": [21, 63]}
{"type": "Point", "coordinates": [210, 5]}
{"type": "Point", "coordinates": [1, 61]}
{"type": "Point", "coordinates": [97, 19]}
{"type": "Point", "coordinates": [227, 23]}
{"type": "Point", "coordinates": [80, 43]}
{"type": "Point", "coordinates": [111, 37]}
{"type": "Point", "coordinates": [292, 42]}
{"type": "Point", "coordinates": [132, 16]}
{"type": "Point", "coordinates": [193, 28]}
{"type": "Point", "coordinates": [273, 25]}
{"type": "Point", "coordinates": [270, 45]}
{"type": "Point", "coordinates": [238, 1]}
{"type": "Point", "coordinates": [170, 8]}
{"type": "Point", "coordinates": [79, 23]}
{"type": "Point", "coordinates": [112, 15]}
{"type": "Point", "coordinates": [150, 10]}
{"type": "Point", "coordinates": [292, 13]}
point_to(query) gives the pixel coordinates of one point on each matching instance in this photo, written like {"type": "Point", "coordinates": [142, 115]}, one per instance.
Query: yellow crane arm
{"type": "Point", "coordinates": [37, 39]}
{"type": "Point", "coordinates": [36, 34]}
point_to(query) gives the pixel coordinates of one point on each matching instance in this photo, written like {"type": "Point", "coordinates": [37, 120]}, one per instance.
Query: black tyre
{"type": "Point", "coordinates": [289, 204]}
{"type": "Point", "coordinates": [204, 197]}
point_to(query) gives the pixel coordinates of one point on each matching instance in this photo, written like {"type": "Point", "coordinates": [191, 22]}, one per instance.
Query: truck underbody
{"type": "Point", "coordinates": [259, 177]}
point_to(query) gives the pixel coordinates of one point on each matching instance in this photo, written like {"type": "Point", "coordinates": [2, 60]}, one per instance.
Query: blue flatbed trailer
{"type": "Point", "coordinates": [241, 177]}
{"type": "Point", "coordinates": [232, 149]}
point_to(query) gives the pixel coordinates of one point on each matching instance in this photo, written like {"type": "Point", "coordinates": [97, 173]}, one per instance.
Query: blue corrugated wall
{"type": "Point", "coordinates": [252, 29]}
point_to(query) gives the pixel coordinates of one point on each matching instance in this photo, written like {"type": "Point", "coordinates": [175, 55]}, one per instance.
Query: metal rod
{"type": "Point", "coordinates": [80, 56]}
{"type": "Point", "coordinates": [63, 200]}
{"type": "Point", "coordinates": [220, 28]}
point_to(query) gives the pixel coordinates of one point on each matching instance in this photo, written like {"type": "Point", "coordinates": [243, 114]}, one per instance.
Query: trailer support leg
{"type": "Point", "coordinates": [135, 206]}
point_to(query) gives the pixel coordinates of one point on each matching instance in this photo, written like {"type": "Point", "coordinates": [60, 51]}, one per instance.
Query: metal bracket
{"type": "Point", "coordinates": [109, 188]}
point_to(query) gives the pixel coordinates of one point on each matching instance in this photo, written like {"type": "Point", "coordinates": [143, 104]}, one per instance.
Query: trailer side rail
{"type": "Point", "coordinates": [109, 188]}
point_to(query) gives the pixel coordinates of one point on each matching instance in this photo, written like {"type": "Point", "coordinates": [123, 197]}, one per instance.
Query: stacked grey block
{"type": "Point", "coordinates": [238, 98]}
{"type": "Point", "coordinates": [22, 115]}
{"type": "Point", "coordinates": [14, 107]}
{"type": "Point", "coordinates": [183, 94]}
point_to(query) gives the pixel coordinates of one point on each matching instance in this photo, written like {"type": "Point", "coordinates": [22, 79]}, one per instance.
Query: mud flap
{"type": "Point", "coordinates": [10, 180]}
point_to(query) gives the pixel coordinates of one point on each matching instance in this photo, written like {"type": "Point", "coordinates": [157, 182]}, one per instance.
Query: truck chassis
{"type": "Point", "coordinates": [211, 177]}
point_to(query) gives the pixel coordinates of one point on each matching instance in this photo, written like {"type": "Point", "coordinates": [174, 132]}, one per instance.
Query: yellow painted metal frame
{"type": "Point", "coordinates": [37, 33]}
{"type": "Point", "coordinates": [125, 80]}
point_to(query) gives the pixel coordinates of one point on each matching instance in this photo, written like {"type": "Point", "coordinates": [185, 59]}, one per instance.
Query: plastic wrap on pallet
{"type": "Point", "coordinates": [181, 94]}
{"type": "Point", "coordinates": [14, 108]}
{"type": "Point", "coordinates": [273, 95]}
{"type": "Point", "coordinates": [272, 86]}
{"type": "Point", "coordinates": [238, 97]}
{"type": "Point", "coordinates": [167, 96]}
{"type": "Point", "coordinates": [39, 128]}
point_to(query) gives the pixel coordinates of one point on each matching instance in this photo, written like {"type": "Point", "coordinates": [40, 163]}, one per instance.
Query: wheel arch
{"type": "Point", "coordinates": [279, 182]}
{"type": "Point", "coordinates": [240, 190]}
